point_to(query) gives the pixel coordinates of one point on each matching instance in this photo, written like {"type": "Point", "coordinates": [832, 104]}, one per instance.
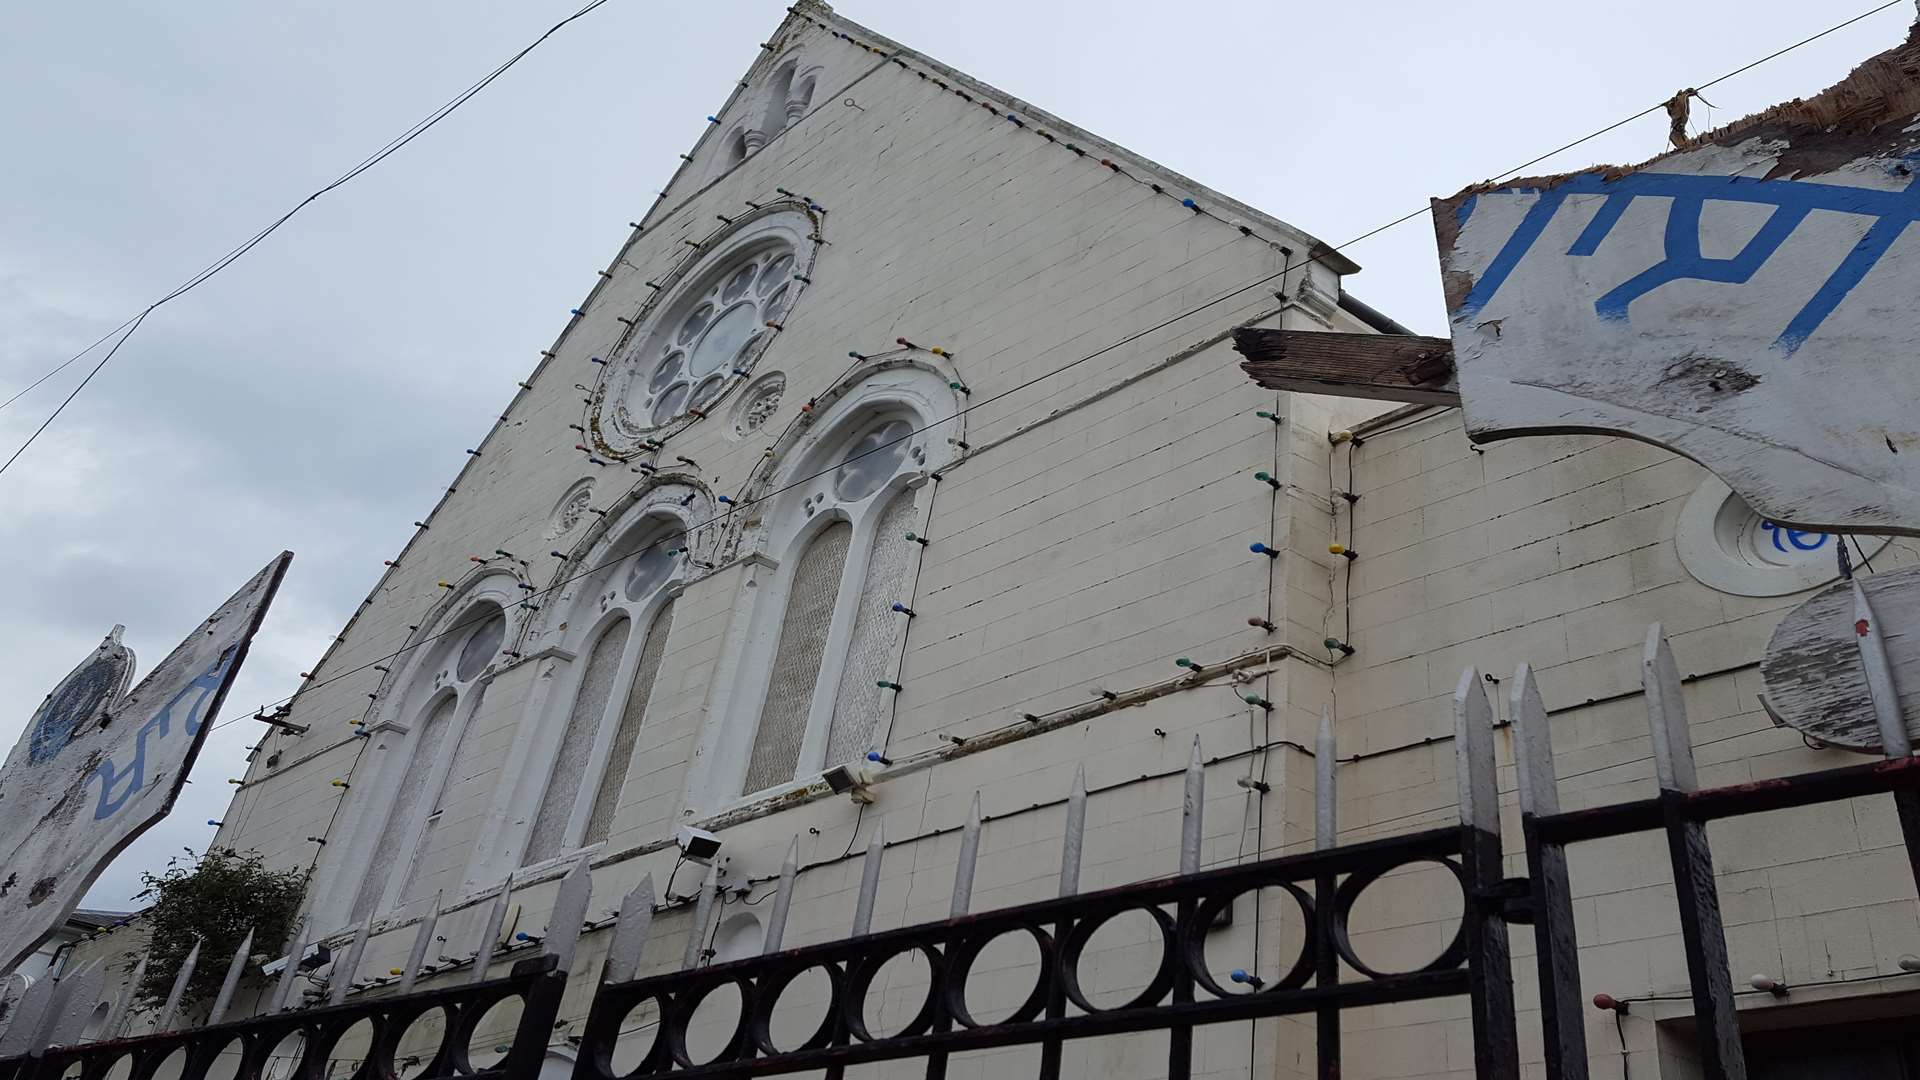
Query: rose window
{"type": "Point", "coordinates": [689, 359]}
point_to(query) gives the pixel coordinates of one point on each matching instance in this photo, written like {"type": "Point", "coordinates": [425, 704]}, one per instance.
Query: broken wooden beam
{"type": "Point", "coordinates": [1382, 367]}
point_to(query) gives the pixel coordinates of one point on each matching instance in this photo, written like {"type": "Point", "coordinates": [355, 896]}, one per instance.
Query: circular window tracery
{"type": "Point", "coordinates": [653, 565]}
{"type": "Point", "coordinates": [872, 459]}
{"type": "Point", "coordinates": [704, 336]}
{"type": "Point", "coordinates": [481, 646]}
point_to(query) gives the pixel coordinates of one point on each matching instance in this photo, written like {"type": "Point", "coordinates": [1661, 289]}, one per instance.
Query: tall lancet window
{"type": "Point", "coordinates": [796, 664]}
{"type": "Point", "coordinates": [624, 616]}
{"type": "Point", "coordinates": [395, 842]}
{"type": "Point", "coordinates": [844, 569]}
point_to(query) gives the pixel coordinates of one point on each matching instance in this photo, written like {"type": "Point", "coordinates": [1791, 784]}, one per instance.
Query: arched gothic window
{"type": "Point", "coordinates": [395, 848]}
{"type": "Point", "coordinates": [825, 633]}
{"type": "Point", "coordinates": [621, 616]}
{"type": "Point", "coordinates": [706, 329]}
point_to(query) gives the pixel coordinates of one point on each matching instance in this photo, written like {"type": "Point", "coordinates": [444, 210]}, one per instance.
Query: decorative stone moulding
{"type": "Point", "coordinates": [756, 405]}
{"type": "Point", "coordinates": [639, 546]}
{"type": "Point", "coordinates": [879, 400]}
{"type": "Point", "coordinates": [572, 507]}
{"type": "Point", "coordinates": [1727, 545]}
{"type": "Point", "coordinates": [704, 329]}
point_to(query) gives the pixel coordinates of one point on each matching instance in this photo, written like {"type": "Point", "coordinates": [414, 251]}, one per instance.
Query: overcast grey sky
{"type": "Point", "coordinates": [318, 396]}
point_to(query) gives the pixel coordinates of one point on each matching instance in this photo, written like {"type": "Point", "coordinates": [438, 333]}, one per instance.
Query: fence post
{"type": "Point", "coordinates": [340, 979]}
{"type": "Point", "coordinates": [422, 941]}
{"type": "Point", "coordinates": [569, 915]}
{"type": "Point", "coordinates": [782, 900]}
{"type": "Point", "coordinates": [179, 990]}
{"type": "Point", "coordinates": [1895, 743]}
{"type": "Point", "coordinates": [1326, 963]}
{"type": "Point", "coordinates": [702, 915]}
{"type": "Point", "coordinates": [490, 933]}
{"type": "Point", "coordinates": [296, 946]}
{"type": "Point", "coordinates": [74, 1001]}
{"type": "Point", "coordinates": [537, 1017]}
{"type": "Point", "coordinates": [630, 931]}
{"type": "Point", "coordinates": [1496, 1051]}
{"type": "Point", "coordinates": [116, 1023]}
{"type": "Point", "coordinates": [1073, 838]}
{"type": "Point", "coordinates": [1715, 1021]}
{"type": "Point", "coordinates": [1555, 939]}
{"type": "Point", "coordinates": [235, 968]}
{"type": "Point", "coordinates": [964, 866]}
{"type": "Point", "coordinates": [631, 928]}
{"type": "Point", "coordinates": [1192, 810]}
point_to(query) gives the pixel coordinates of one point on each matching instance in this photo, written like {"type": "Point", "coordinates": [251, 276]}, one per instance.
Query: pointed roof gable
{"type": "Point", "coordinates": [698, 168]}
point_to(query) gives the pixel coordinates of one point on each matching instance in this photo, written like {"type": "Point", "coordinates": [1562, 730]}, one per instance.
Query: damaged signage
{"type": "Point", "coordinates": [1747, 300]}
{"type": "Point", "coordinates": [97, 766]}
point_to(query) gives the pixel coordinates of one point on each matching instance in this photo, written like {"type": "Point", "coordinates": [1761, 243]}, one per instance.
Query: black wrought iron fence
{"type": "Point", "coordinates": [372, 1036]}
{"type": "Point", "coordinates": [1177, 989]}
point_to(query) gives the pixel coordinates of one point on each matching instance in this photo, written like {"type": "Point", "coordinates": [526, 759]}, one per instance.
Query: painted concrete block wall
{"type": "Point", "coordinates": [1094, 528]}
{"type": "Point", "coordinates": [503, 501]}
{"type": "Point", "coordinates": [1559, 551]}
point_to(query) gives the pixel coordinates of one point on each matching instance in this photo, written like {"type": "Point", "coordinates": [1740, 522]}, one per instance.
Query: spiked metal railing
{"type": "Point", "coordinates": [52, 1034]}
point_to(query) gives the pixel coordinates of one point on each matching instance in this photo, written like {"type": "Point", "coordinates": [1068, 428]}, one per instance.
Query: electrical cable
{"type": "Point", "coordinates": [392, 147]}
{"type": "Point", "coordinates": [420, 127]}
{"type": "Point", "coordinates": [1288, 267]}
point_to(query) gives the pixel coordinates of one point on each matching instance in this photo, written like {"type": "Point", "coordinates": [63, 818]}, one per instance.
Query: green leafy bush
{"type": "Point", "coordinates": [215, 900]}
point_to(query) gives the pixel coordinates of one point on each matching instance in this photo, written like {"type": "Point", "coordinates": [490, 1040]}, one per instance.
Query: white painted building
{"type": "Point", "coordinates": [945, 351]}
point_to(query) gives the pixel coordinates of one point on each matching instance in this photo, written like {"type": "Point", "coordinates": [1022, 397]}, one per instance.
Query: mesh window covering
{"type": "Point", "coordinates": [549, 837]}
{"type": "Point", "coordinates": [796, 662]}
{"type": "Point", "coordinates": [432, 733]}
{"type": "Point", "coordinates": [463, 767]}
{"type": "Point", "coordinates": [620, 755]}
{"type": "Point", "coordinates": [860, 704]}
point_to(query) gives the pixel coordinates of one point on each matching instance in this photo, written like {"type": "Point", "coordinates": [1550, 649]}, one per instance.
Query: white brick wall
{"type": "Point", "coordinates": [1559, 551]}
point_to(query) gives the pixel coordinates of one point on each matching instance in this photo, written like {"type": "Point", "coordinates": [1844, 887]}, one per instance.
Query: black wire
{"type": "Point", "coordinates": [62, 366]}
{"type": "Point", "coordinates": [1620, 1028]}
{"type": "Point", "coordinates": [719, 916]}
{"type": "Point", "coordinates": [1287, 267]}
{"type": "Point", "coordinates": [392, 147]}
{"type": "Point", "coordinates": [802, 480]}
{"type": "Point", "coordinates": [855, 835]}
{"type": "Point", "coordinates": [1352, 518]}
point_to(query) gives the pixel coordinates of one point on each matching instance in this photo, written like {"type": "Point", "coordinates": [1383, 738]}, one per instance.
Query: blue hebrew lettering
{"type": "Point", "coordinates": [1792, 200]}
{"type": "Point", "coordinates": [195, 696]}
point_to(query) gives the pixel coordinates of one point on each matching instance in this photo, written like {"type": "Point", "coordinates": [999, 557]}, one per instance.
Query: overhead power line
{"type": "Point", "coordinates": [1288, 267]}
{"type": "Point", "coordinates": [392, 147]}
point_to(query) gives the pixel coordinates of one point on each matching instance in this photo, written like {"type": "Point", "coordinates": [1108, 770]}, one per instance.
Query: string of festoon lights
{"type": "Point", "coordinates": [730, 504]}
{"type": "Point", "coordinates": [658, 446]}
{"type": "Point", "coordinates": [959, 385]}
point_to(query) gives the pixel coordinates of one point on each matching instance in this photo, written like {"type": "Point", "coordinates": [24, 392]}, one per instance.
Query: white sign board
{"type": "Point", "coordinates": [1764, 325]}
{"type": "Point", "coordinates": [94, 769]}
{"type": "Point", "coordinates": [1748, 300]}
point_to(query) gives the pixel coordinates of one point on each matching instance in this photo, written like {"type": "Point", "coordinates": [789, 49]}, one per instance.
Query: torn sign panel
{"type": "Point", "coordinates": [1751, 300]}
{"type": "Point", "coordinates": [95, 769]}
